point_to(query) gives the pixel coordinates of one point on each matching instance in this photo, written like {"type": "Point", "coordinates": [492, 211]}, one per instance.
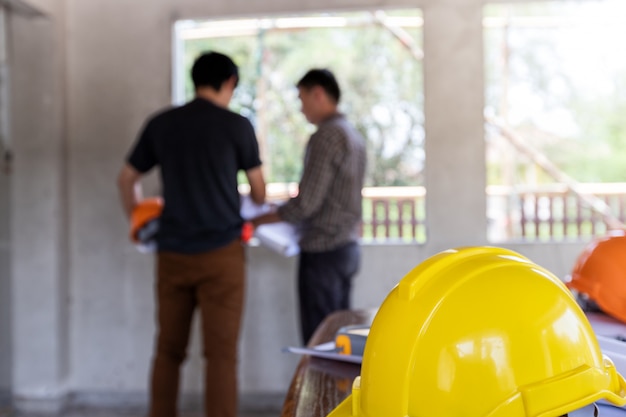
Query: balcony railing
{"type": "Point", "coordinates": [549, 213]}
{"type": "Point", "coordinates": [394, 214]}
{"type": "Point", "coordinates": [554, 212]}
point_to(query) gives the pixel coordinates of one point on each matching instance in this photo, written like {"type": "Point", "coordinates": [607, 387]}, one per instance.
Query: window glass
{"type": "Point", "coordinates": [555, 99]}
{"type": "Point", "coordinates": [377, 58]}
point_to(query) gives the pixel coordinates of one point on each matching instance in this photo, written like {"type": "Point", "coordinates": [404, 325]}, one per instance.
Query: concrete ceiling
{"type": "Point", "coordinates": [21, 8]}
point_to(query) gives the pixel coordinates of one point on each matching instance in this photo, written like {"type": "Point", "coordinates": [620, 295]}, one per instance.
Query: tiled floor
{"type": "Point", "coordinates": [90, 412]}
{"type": "Point", "coordinates": [265, 405]}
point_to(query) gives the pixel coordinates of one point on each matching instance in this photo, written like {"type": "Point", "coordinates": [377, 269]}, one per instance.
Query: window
{"type": "Point", "coordinates": [555, 99]}
{"type": "Point", "coordinates": [377, 58]}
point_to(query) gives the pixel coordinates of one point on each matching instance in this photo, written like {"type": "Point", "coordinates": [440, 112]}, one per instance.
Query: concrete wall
{"type": "Point", "coordinates": [39, 268]}
{"type": "Point", "coordinates": [81, 309]}
{"type": "Point", "coordinates": [5, 238]}
{"type": "Point", "coordinates": [5, 286]}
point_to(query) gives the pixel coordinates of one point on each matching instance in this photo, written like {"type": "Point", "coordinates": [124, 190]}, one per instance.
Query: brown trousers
{"type": "Point", "coordinates": [213, 281]}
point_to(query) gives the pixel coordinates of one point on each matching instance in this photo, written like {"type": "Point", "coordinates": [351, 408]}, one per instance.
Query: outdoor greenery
{"type": "Point", "coordinates": [561, 85]}
{"type": "Point", "coordinates": [381, 81]}
{"type": "Point", "coordinates": [554, 75]}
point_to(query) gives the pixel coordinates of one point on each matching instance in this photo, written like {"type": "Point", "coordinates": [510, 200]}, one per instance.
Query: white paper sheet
{"type": "Point", "coordinates": [249, 209]}
{"type": "Point", "coordinates": [325, 350]}
{"type": "Point", "coordinates": [611, 335]}
{"type": "Point", "coordinates": [281, 237]}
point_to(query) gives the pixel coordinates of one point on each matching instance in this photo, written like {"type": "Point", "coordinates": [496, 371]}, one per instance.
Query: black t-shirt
{"type": "Point", "coordinates": [199, 148]}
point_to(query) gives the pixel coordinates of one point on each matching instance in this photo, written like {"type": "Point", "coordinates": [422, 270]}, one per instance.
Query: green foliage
{"type": "Point", "coordinates": [563, 88]}
{"type": "Point", "coordinates": [382, 92]}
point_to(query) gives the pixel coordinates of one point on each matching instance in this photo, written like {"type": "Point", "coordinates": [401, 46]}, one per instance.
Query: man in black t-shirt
{"type": "Point", "coordinates": [199, 147]}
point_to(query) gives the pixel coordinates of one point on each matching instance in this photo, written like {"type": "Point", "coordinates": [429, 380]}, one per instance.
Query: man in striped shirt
{"type": "Point", "coordinates": [327, 209]}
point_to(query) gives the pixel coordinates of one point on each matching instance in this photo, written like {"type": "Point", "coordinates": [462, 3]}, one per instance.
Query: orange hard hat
{"type": "Point", "coordinates": [600, 274]}
{"type": "Point", "coordinates": [148, 210]}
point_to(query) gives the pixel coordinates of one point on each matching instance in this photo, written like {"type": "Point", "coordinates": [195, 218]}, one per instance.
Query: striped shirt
{"type": "Point", "coordinates": [327, 209]}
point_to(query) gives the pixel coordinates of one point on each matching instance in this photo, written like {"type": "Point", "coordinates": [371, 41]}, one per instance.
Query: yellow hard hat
{"type": "Point", "coordinates": [481, 332]}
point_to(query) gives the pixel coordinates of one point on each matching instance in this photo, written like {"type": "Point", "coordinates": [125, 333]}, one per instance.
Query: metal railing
{"type": "Point", "coordinates": [553, 212]}
{"type": "Point", "coordinates": [394, 214]}
{"type": "Point", "coordinates": [542, 213]}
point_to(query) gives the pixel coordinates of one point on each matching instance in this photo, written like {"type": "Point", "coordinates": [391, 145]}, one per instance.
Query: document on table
{"type": "Point", "coordinates": [325, 350]}
{"type": "Point", "coordinates": [281, 237]}
{"type": "Point", "coordinates": [611, 335]}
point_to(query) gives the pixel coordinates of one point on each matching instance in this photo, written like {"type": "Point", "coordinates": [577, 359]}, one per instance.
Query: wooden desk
{"type": "Point", "coordinates": [319, 385]}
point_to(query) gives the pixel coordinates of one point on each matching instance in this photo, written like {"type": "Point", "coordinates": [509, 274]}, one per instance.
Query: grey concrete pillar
{"type": "Point", "coordinates": [39, 279]}
{"type": "Point", "coordinates": [455, 147]}
{"type": "Point", "coordinates": [5, 291]}
{"type": "Point", "coordinates": [5, 238]}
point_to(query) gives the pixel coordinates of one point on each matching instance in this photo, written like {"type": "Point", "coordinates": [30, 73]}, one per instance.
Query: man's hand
{"type": "Point", "coordinates": [129, 188]}
{"type": "Point", "coordinates": [271, 217]}
{"type": "Point", "coordinates": [257, 185]}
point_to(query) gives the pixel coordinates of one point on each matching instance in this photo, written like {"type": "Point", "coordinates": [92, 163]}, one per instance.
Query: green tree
{"type": "Point", "coordinates": [381, 83]}
{"type": "Point", "coordinates": [561, 86]}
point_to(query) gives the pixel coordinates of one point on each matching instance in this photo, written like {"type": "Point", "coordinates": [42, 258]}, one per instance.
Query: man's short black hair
{"type": "Point", "coordinates": [211, 69]}
{"type": "Point", "coordinates": [325, 79]}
